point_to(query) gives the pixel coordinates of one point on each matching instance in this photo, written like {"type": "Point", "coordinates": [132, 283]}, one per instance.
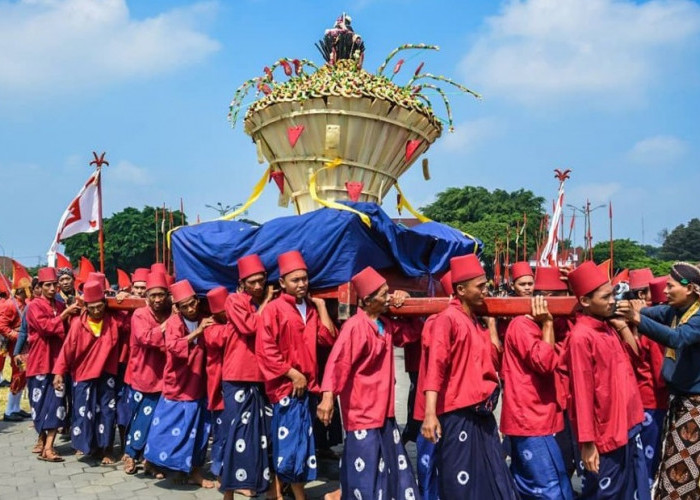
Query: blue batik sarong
{"type": "Point", "coordinates": [143, 405]}
{"type": "Point", "coordinates": [293, 446]}
{"type": "Point", "coordinates": [427, 469]}
{"type": "Point", "coordinates": [124, 404]}
{"type": "Point", "coordinates": [652, 434]}
{"type": "Point", "coordinates": [218, 435]}
{"type": "Point", "coordinates": [94, 414]}
{"type": "Point", "coordinates": [375, 465]}
{"type": "Point", "coordinates": [470, 458]}
{"type": "Point", "coordinates": [538, 468]}
{"type": "Point", "coordinates": [246, 432]}
{"type": "Point", "coordinates": [48, 405]}
{"type": "Point", "coordinates": [178, 436]}
{"type": "Point", "coordinates": [622, 474]}
{"type": "Point", "coordinates": [246, 426]}
{"type": "Point", "coordinates": [568, 445]}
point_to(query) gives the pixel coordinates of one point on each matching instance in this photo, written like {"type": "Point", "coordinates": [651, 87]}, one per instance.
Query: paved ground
{"type": "Point", "coordinates": [22, 476]}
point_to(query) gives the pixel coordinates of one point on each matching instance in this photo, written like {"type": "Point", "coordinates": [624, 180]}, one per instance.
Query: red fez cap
{"type": "Point", "coordinates": [290, 261]}
{"type": "Point", "coordinates": [520, 269]}
{"type": "Point", "coordinates": [47, 274]}
{"type": "Point", "coordinates": [96, 277]}
{"type": "Point", "coordinates": [367, 281]}
{"type": "Point", "coordinates": [549, 279]}
{"type": "Point", "coordinates": [640, 278]}
{"type": "Point", "coordinates": [217, 299]}
{"type": "Point", "coordinates": [181, 290]}
{"type": "Point", "coordinates": [159, 267]}
{"type": "Point", "coordinates": [657, 286]}
{"type": "Point", "coordinates": [586, 278]}
{"type": "Point", "coordinates": [249, 265]}
{"type": "Point", "coordinates": [156, 280]}
{"type": "Point", "coordinates": [140, 274]}
{"type": "Point", "coordinates": [94, 291]}
{"type": "Point", "coordinates": [446, 282]}
{"type": "Point", "coordinates": [169, 279]}
{"type": "Point", "coordinates": [465, 267]}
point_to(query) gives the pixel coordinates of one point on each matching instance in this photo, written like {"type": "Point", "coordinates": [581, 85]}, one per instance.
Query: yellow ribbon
{"type": "Point", "coordinates": [404, 203]}
{"type": "Point", "coordinates": [257, 191]}
{"type": "Point", "coordinates": [331, 204]}
{"type": "Point", "coordinates": [692, 310]}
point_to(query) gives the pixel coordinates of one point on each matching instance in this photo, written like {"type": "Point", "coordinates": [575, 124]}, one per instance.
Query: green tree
{"type": "Point", "coordinates": [488, 215]}
{"type": "Point", "coordinates": [130, 237]}
{"type": "Point", "coordinates": [683, 243]}
{"type": "Point", "coordinates": [629, 254]}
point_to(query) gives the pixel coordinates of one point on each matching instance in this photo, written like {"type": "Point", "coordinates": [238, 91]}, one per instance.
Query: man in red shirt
{"type": "Point", "coordinates": [46, 324]}
{"type": "Point", "coordinates": [145, 369]}
{"type": "Point", "coordinates": [652, 387]}
{"type": "Point", "coordinates": [139, 282]}
{"type": "Point", "coordinates": [360, 370]}
{"type": "Point", "coordinates": [246, 413]}
{"type": "Point", "coordinates": [461, 389]}
{"type": "Point", "coordinates": [179, 430]}
{"type": "Point", "coordinates": [605, 402]}
{"type": "Point", "coordinates": [10, 321]}
{"type": "Point", "coordinates": [531, 414]}
{"type": "Point", "coordinates": [89, 354]}
{"type": "Point", "coordinates": [291, 327]}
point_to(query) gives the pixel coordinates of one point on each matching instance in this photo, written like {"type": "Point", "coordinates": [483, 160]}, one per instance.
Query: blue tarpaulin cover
{"type": "Point", "coordinates": [335, 245]}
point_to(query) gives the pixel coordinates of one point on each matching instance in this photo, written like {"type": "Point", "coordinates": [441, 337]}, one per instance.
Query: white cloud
{"type": "Point", "coordinates": [658, 150]}
{"type": "Point", "coordinates": [542, 50]}
{"type": "Point", "coordinates": [53, 46]}
{"type": "Point", "coordinates": [468, 135]}
{"type": "Point", "coordinates": [126, 172]}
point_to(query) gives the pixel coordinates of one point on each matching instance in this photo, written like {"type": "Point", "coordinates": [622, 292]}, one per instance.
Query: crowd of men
{"type": "Point", "coordinates": [610, 393]}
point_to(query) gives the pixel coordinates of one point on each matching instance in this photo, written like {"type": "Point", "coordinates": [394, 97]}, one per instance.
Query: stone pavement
{"type": "Point", "coordinates": [22, 476]}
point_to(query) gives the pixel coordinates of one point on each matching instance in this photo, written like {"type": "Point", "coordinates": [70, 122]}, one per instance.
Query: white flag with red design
{"type": "Point", "coordinates": [81, 216]}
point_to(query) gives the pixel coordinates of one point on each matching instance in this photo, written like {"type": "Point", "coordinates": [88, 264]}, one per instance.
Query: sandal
{"type": "Point", "coordinates": [50, 456]}
{"type": "Point", "coordinates": [129, 466]}
{"type": "Point", "coordinates": [38, 448]}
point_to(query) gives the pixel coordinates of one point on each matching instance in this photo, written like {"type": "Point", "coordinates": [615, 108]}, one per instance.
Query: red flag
{"type": "Point", "coordinates": [623, 275]}
{"type": "Point", "coordinates": [86, 268]}
{"type": "Point", "coordinates": [20, 276]}
{"type": "Point", "coordinates": [123, 280]}
{"type": "Point", "coordinates": [278, 177]}
{"type": "Point", "coordinates": [81, 216]}
{"type": "Point", "coordinates": [62, 261]}
{"type": "Point", "coordinates": [293, 134]}
{"type": "Point", "coordinates": [411, 147]}
{"type": "Point", "coordinates": [4, 285]}
{"type": "Point", "coordinates": [354, 189]}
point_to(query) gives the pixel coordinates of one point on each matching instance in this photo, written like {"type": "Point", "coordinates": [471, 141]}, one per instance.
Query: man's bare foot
{"type": "Point", "coordinates": [129, 465]}
{"type": "Point", "coordinates": [333, 495]}
{"type": "Point", "coordinates": [152, 470]}
{"type": "Point", "coordinates": [197, 478]}
{"type": "Point", "coordinates": [107, 460]}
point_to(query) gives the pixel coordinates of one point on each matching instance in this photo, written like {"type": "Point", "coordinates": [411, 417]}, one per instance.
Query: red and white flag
{"type": "Point", "coordinates": [81, 216]}
{"type": "Point", "coordinates": [550, 252]}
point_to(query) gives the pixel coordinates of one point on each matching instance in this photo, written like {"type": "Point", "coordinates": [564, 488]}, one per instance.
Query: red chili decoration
{"type": "Point", "coordinates": [420, 67]}
{"type": "Point", "coordinates": [287, 67]}
{"type": "Point", "coordinates": [268, 73]}
{"type": "Point", "coordinates": [266, 89]}
{"type": "Point", "coordinates": [397, 68]}
{"type": "Point", "coordinates": [297, 66]}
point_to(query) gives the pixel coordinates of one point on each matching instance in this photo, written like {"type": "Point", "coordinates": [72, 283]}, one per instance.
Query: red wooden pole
{"type": "Point", "coordinates": [157, 239]}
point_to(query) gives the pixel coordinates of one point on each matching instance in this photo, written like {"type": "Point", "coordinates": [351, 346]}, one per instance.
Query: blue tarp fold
{"type": "Point", "coordinates": [335, 245]}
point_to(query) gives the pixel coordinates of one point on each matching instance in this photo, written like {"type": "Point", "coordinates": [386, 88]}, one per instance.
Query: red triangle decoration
{"type": "Point", "coordinates": [293, 134]}
{"type": "Point", "coordinates": [278, 177]}
{"type": "Point", "coordinates": [354, 189]}
{"type": "Point", "coordinates": [411, 147]}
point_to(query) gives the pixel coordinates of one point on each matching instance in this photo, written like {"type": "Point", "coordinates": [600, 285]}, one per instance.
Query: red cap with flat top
{"type": "Point", "coordinates": [367, 281]}
{"type": "Point", "coordinates": [249, 265]}
{"type": "Point", "coordinates": [156, 280]}
{"type": "Point", "coordinates": [94, 291]}
{"type": "Point", "coordinates": [640, 278]}
{"type": "Point", "coordinates": [586, 278]}
{"type": "Point", "coordinates": [520, 269]}
{"type": "Point", "coordinates": [657, 287]}
{"type": "Point", "coordinates": [47, 275]}
{"type": "Point", "coordinates": [446, 282]}
{"type": "Point", "coordinates": [217, 299]}
{"type": "Point", "coordinates": [290, 261]}
{"type": "Point", "coordinates": [140, 274]}
{"type": "Point", "coordinates": [181, 290]}
{"type": "Point", "coordinates": [465, 267]}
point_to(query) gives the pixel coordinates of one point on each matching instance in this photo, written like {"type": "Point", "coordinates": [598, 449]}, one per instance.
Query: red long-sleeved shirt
{"type": "Point", "coordinates": [9, 319]}
{"type": "Point", "coordinates": [45, 332]}
{"type": "Point", "coordinates": [652, 387]}
{"type": "Point", "coordinates": [530, 406]}
{"type": "Point", "coordinates": [461, 364]}
{"type": "Point", "coordinates": [85, 356]}
{"type": "Point", "coordinates": [284, 341]}
{"type": "Point", "coordinates": [605, 400]}
{"type": "Point", "coordinates": [215, 338]}
{"type": "Point", "coordinates": [426, 340]}
{"type": "Point", "coordinates": [360, 369]}
{"type": "Point", "coordinates": [184, 375]}
{"type": "Point", "coordinates": [147, 352]}
{"type": "Point", "coordinates": [240, 362]}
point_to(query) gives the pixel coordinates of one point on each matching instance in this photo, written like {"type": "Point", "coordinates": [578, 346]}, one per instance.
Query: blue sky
{"type": "Point", "coordinates": [610, 89]}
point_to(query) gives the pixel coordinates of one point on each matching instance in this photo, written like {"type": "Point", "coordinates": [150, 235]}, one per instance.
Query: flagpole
{"type": "Point", "coordinates": [98, 162]}
{"type": "Point", "coordinates": [612, 245]}
{"type": "Point", "coordinates": [157, 239]}
{"type": "Point", "coordinates": [525, 237]}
